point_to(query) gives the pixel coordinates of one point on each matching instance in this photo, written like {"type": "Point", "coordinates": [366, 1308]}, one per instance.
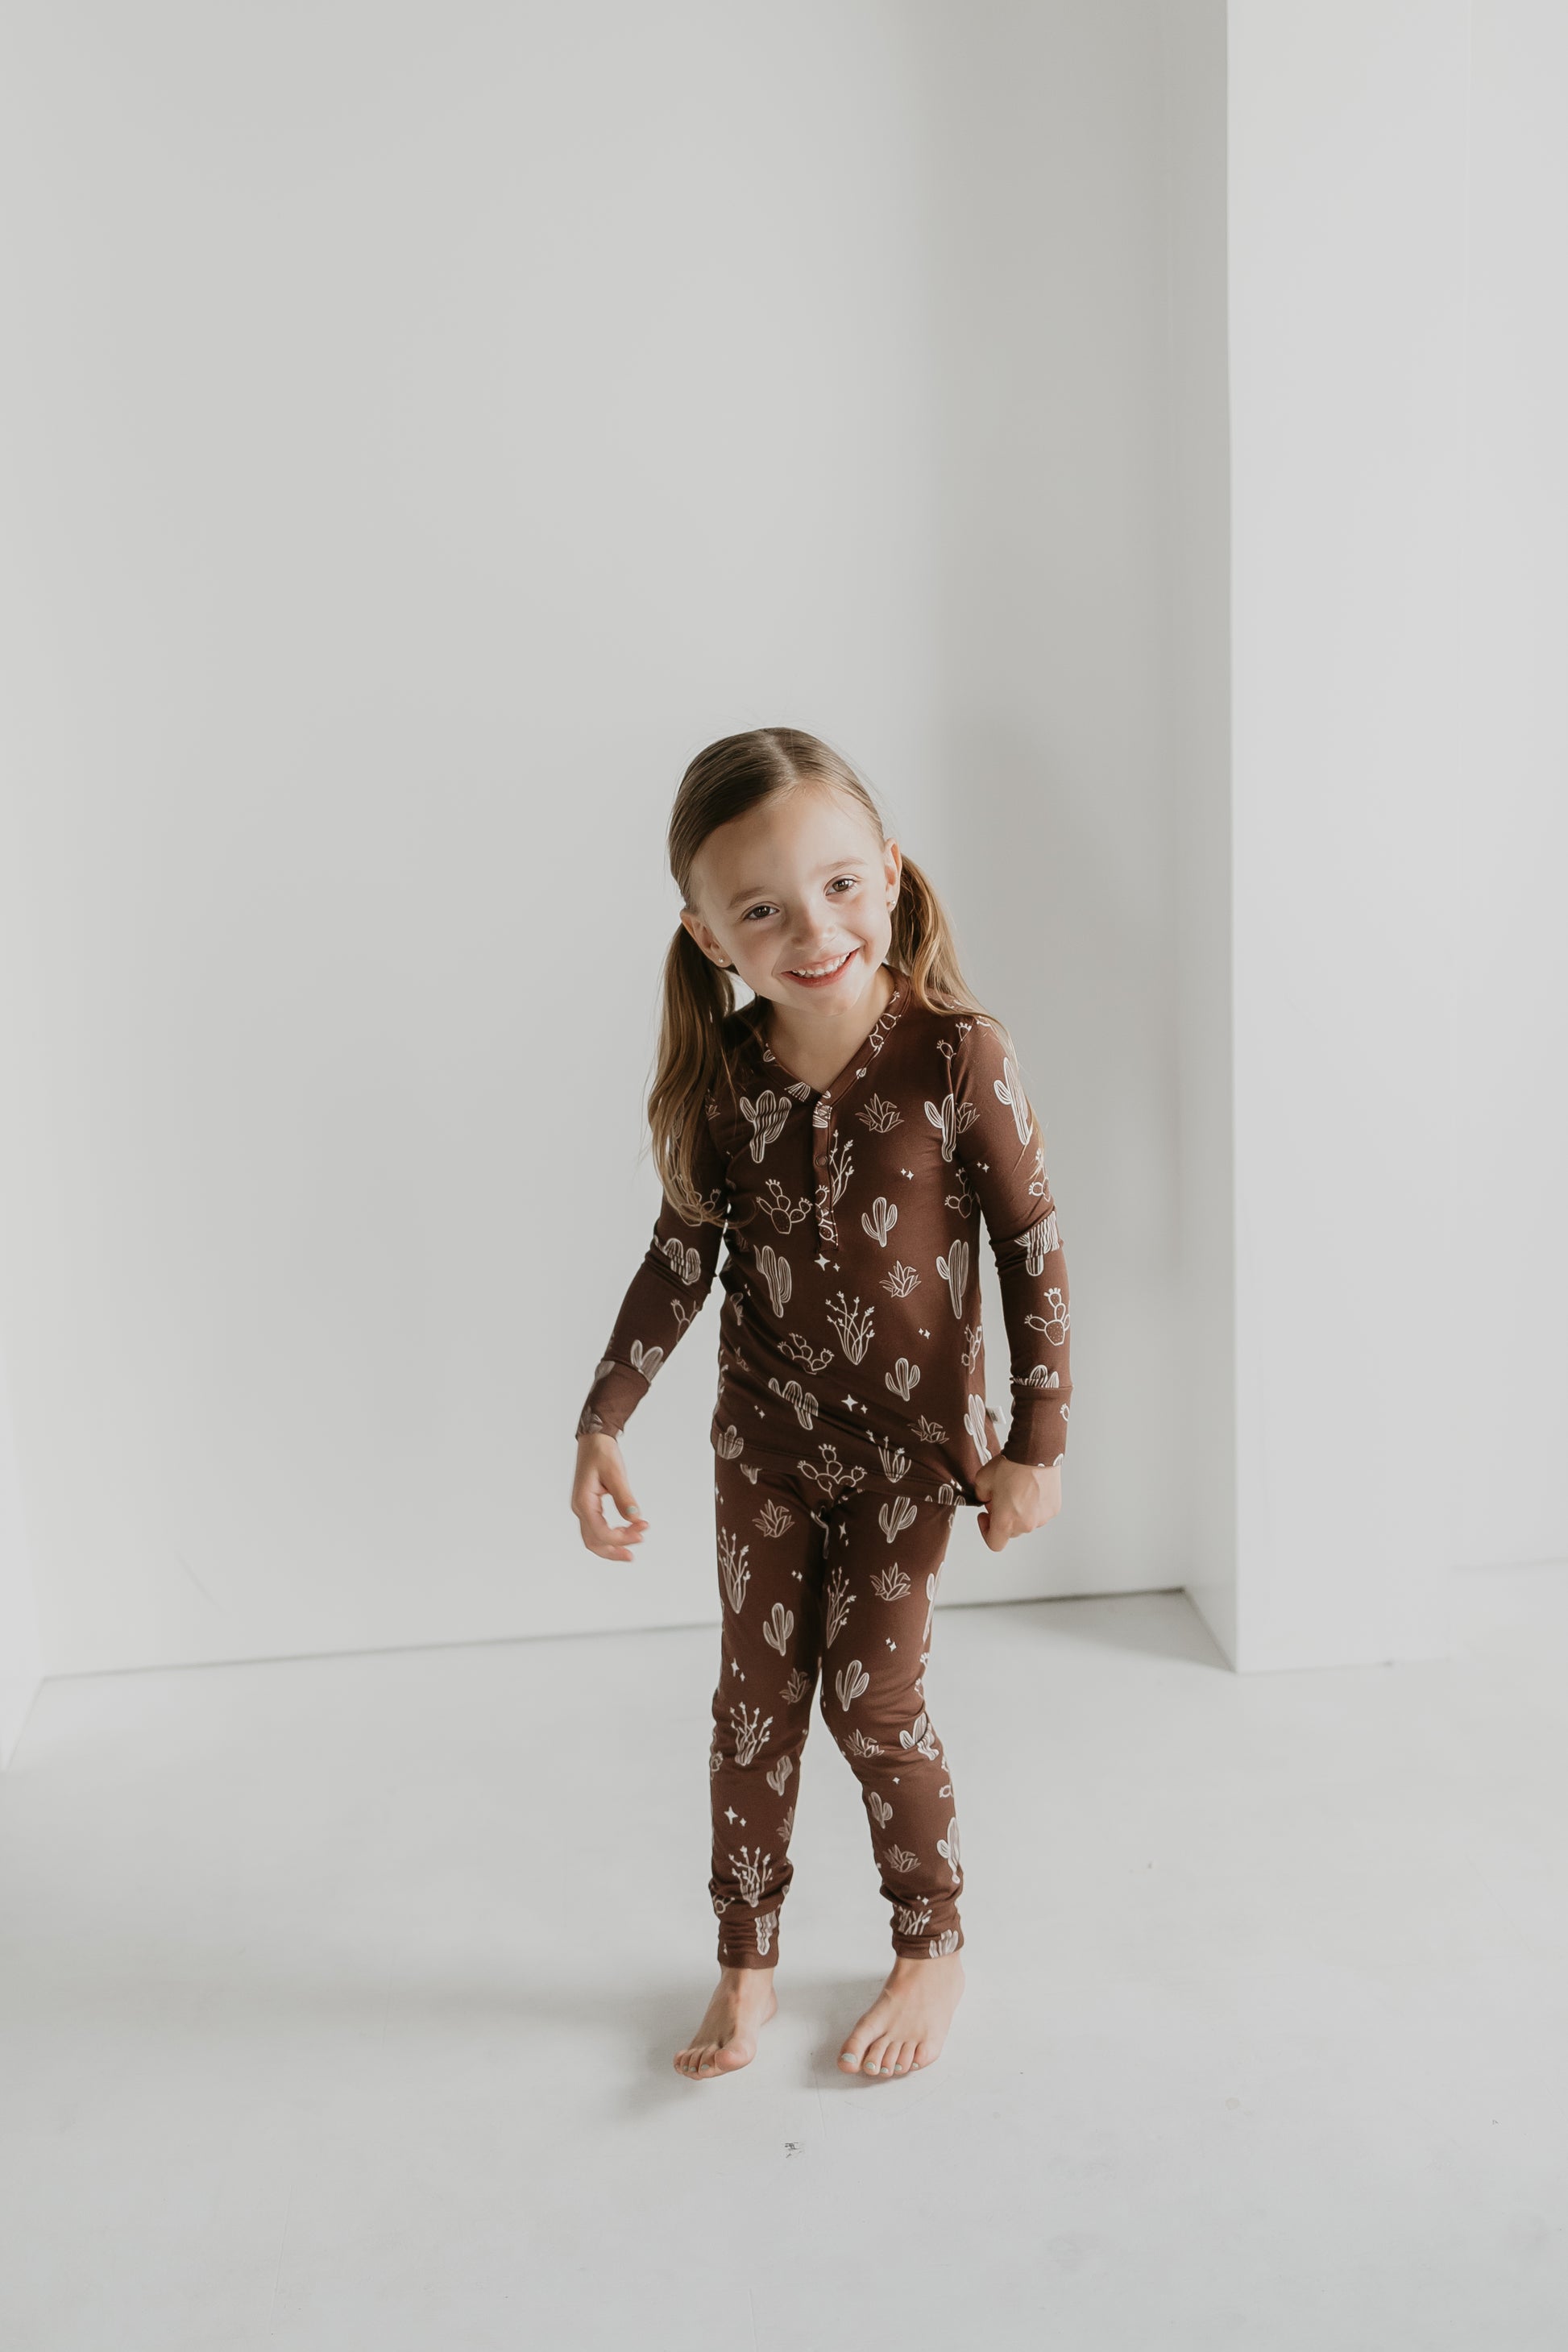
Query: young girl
{"type": "Point", "coordinates": [843, 1131]}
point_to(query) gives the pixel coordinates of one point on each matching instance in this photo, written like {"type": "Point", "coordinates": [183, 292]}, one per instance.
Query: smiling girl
{"type": "Point", "coordinates": [845, 1132]}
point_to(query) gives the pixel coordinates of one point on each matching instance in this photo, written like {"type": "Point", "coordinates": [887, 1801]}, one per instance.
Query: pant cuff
{"type": "Point", "coordinates": [749, 1939]}
{"type": "Point", "coordinates": [929, 1947]}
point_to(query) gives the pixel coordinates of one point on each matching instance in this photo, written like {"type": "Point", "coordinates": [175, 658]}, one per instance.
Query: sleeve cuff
{"type": "Point", "coordinates": [1039, 1432]}
{"type": "Point", "coordinates": [611, 1401]}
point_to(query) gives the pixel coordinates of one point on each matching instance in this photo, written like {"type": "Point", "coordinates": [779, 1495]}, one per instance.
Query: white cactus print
{"type": "Point", "coordinates": [786, 1823]}
{"type": "Point", "coordinates": [764, 1924]}
{"type": "Point", "coordinates": [904, 1863]}
{"type": "Point", "coordinates": [920, 1737]}
{"type": "Point", "coordinates": [779, 1625]}
{"type": "Point", "coordinates": [974, 1422]}
{"type": "Point", "coordinates": [733, 1566]}
{"type": "Point", "coordinates": [775, 1518]}
{"type": "Point", "coordinates": [796, 1687]}
{"type": "Point", "coordinates": [857, 1743]}
{"type": "Point", "coordinates": [901, 1281]}
{"type": "Point", "coordinates": [775, 1269]}
{"type": "Point", "coordinates": [1041, 1375]}
{"type": "Point", "coordinates": [853, 1325]}
{"type": "Point", "coordinates": [942, 1945]}
{"type": "Point", "coordinates": [841, 1164]}
{"type": "Point", "coordinates": [830, 1474]}
{"type": "Point", "coordinates": [969, 1356]}
{"type": "Point", "coordinates": [880, 1116]}
{"type": "Point", "coordinates": [777, 1774]}
{"type": "Point", "coordinates": [851, 1683]}
{"type": "Point", "coordinates": [801, 1400]}
{"type": "Point", "coordinates": [876, 1805]}
{"type": "Point", "coordinates": [1010, 1089]}
{"type": "Point", "coordinates": [948, 1849]}
{"type": "Point", "coordinates": [826, 1224]}
{"type": "Point", "coordinates": [912, 1919]}
{"type": "Point", "coordinates": [750, 1871]}
{"type": "Point", "coordinates": [929, 1432]}
{"type": "Point", "coordinates": [895, 1516]}
{"type": "Point", "coordinates": [1042, 1236]}
{"type": "Point", "coordinates": [687, 1263]}
{"type": "Point", "coordinates": [837, 1600]}
{"type": "Point", "coordinates": [647, 1361]}
{"type": "Point", "coordinates": [1054, 1324]}
{"type": "Point", "coordinates": [785, 1213]}
{"type": "Point", "coordinates": [879, 1219]}
{"type": "Point", "coordinates": [955, 1267]}
{"type": "Point", "coordinates": [954, 1118]}
{"type": "Point", "coordinates": [964, 1199]}
{"type": "Point", "coordinates": [751, 1732]}
{"type": "Point", "coordinates": [890, 1583]}
{"type": "Point", "coordinates": [728, 1443]}
{"type": "Point", "coordinates": [767, 1116]}
{"type": "Point", "coordinates": [804, 1353]}
{"type": "Point", "coordinates": [895, 1462]}
{"type": "Point", "coordinates": [904, 1379]}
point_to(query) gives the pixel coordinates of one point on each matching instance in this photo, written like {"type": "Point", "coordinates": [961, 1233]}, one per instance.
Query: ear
{"type": "Point", "coordinates": [703, 936]}
{"type": "Point", "coordinates": [892, 871]}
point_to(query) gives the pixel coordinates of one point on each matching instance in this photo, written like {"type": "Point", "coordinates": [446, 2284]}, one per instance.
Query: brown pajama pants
{"type": "Point", "coordinates": [839, 1589]}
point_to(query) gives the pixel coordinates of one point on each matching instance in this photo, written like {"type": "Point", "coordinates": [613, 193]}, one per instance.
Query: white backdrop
{"type": "Point", "coordinates": [428, 427]}
{"type": "Point", "coordinates": [437, 424]}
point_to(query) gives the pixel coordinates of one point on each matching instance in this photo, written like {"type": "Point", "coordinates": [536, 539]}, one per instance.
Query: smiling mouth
{"type": "Point", "coordinates": [818, 972]}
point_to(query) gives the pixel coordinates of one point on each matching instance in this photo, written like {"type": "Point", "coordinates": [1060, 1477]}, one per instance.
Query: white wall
{"type": "Point", "coordinates": [1196, 573]}
{"type": "Point", "coordinates": [437, 427]}
{"type": "Point", "coordinates": [21, 1651]}
{"type": "Point", "coordinates": [430, 426]}
{"type": "Point", "coordinates": [1507, 1176]}
{"type": "Point", "coordinates": [1048, 191]}
{"type": "Point", "coordinates": [1347, 172]}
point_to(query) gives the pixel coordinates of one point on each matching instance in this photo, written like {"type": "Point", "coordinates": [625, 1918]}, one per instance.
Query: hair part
{"type": "Point", "coordinates": [725, 780]}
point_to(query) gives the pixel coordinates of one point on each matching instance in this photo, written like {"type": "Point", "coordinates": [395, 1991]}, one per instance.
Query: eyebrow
{"type": "Point", "coordinates": [837, 865]}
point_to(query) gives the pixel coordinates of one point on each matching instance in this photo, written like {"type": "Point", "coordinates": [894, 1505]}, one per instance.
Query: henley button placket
{"type": "Point", "coordinates": [821, 1130]}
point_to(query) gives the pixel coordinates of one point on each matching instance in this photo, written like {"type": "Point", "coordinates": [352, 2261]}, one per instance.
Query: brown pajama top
{"type": "Point", "coordinates": [850, 1350]}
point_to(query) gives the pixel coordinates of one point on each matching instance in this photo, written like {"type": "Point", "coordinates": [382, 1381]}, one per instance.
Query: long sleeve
{"type": "Point", "coordinates": [666, 1294]}
{"type": "Point", "coordinates": [999, 1143]}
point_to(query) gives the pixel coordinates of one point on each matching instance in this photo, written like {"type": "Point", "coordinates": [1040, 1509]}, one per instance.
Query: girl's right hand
{"type": "Point", "coordinates": [601, 1472]}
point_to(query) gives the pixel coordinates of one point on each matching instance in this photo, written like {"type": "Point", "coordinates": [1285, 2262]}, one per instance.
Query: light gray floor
{"type": "Point", "coordinates": [339, 2000]}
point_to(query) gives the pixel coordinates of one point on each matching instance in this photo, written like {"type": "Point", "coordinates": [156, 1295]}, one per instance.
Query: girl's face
{"type": "Point", "coordinates": [798, 895]}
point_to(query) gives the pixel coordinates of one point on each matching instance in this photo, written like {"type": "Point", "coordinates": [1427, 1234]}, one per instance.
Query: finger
{"type": "Point", "coordinates": [607, 1542]}
{"type": "Point", "coordinates": [619, 1487]}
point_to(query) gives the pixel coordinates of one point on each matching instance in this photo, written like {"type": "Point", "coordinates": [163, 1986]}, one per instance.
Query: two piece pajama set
{"type": "Point", "coordinates": [850, 1420]}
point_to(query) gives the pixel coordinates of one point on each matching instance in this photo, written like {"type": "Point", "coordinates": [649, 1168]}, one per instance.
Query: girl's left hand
{"type": "Point", "coordinates": [1018, 1497]}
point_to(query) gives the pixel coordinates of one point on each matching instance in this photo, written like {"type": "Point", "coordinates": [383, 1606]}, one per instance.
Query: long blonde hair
{"type": "Point", "coordinates": [730, 776]}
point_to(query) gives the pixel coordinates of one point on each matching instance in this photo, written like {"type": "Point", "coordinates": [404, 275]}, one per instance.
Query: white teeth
{"type": "Point", "coordinates": [819, 971]}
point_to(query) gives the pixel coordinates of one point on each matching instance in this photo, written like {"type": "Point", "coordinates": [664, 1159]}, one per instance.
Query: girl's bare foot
{"type": "Point", "coordinates": [907, 2024]}
{"type": "Point", "coordinates": [727, 2037]}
